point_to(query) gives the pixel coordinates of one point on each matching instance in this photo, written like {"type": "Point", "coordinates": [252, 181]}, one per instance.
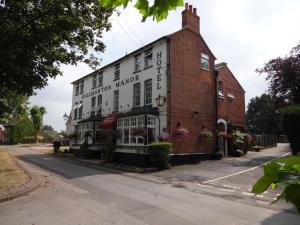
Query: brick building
{"type": "Point", "coordinates": [167, 88]}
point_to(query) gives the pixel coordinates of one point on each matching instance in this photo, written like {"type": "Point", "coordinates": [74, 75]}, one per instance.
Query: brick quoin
{"type": "Point", "coordinates": [232, 110]}
{"type": "Point", "coordinates": [192, 89]}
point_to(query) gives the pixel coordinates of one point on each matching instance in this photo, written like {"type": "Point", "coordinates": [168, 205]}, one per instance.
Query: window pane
{"type": "Point", "coordinates": [141, 121]}
{"type": "Point", "coordinates": [117, 72]}
{"type": "Point", "coordinates": [116, 100]}
{"type": "Point", "coordinates": [100, 79]}
{"type": "Point", "coordinates": [120, 122]}
{"type": "Point", "coordinates": [204, 61]}
{"type": "Point", "coordinates": [148, 92]}
{"type": "Point", "coordinates": [136, 94]}
{"type": "Point", "coordinates": [133, 121]}
{"type": "Point", "coordinates": [148, 58]}
{"type": "Point", "coordinates": [137, 63]}
{"type": "Point", "coordinates": [99, 100]}
{"type": "Point", "coordinates": [126, 136]}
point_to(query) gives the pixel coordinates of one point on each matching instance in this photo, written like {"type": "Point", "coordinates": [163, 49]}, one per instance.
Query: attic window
{"type": "Point", "coordinates": [204, 61]}
{"type": "Point", "coordinates": [230, 96]}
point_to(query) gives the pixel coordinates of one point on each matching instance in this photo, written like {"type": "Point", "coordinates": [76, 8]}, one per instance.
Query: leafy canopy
{"type": "Point", "coordinates": [37, 36]}
{"type": "Point", "coordinates": [283, 75]}
{"type": "Point", "coordinates": [159, 10]}
{"type": "Point", "coordinates": [285, 174]}
{"type": "Point", "coordinates": [261, 116]}
{"type": "Point", "coordinates": [37, 113]}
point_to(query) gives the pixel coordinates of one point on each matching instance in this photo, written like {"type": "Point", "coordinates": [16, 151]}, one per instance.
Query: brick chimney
{"type": "Point", "coordinates": [190, 18]}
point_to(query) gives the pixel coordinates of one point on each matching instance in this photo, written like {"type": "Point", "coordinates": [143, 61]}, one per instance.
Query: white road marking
{"type": "Point", "coordinates": [228, 190]}
{"type": "Point", "coordinates": [246, 193]}
{"type": "Point", "coordinates": [202, 185]}
{"type": "Point", "coordinates": [243, 171]}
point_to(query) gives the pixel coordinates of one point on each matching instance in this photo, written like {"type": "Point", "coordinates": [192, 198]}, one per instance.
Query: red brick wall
{"type": "Point", "coordinates": [232, 110]}
{"type": "Point", "coordinates": [191, 89]}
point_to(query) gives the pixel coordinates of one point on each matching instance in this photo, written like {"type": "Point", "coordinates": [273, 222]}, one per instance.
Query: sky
{"type": "Point", "coordinates": [243, 33]}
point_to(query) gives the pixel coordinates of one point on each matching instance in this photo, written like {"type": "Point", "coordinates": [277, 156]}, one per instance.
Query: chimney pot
{"type": "Point", "coordinates": [190, 8]}
{"type": "Point", "coordinates": [186, 6]}
{"type": "Point", "coordinates": [195, 11]}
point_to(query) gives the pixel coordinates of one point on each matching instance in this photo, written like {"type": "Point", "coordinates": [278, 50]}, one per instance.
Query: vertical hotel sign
{"type": "Point", "coordinates": [158, 67]}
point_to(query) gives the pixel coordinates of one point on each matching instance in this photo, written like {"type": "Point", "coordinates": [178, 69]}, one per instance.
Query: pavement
{"type": "Point", "coordinates": [74, 194]}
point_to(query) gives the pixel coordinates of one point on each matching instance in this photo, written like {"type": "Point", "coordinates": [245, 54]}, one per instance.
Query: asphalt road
{"type": "Point", "coordinates": [71, 194]}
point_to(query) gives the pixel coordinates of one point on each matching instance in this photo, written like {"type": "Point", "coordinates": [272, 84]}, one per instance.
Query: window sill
{"type": "Point", "coordinates": [148, 67]}
{"type": "Point", "coordinates": [205, 69]}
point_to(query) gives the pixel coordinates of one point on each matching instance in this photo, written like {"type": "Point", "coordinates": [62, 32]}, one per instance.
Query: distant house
{"type": "Point", "coordinates": [168, 88]}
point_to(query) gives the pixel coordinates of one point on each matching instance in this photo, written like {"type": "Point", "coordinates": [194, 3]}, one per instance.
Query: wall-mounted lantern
{"type": "Point", "coordinates": [160, 100]}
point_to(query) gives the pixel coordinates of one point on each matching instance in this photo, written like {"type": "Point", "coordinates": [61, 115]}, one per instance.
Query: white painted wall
{"type": "Point", "coordinates": [159, 85]}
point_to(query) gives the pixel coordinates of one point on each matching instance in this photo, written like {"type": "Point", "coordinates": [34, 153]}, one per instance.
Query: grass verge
{"type": "Point", "coordinates": [11, 175]}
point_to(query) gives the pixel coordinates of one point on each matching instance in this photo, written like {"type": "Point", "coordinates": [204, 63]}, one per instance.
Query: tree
{"type": "Point", "coordinates": [283, 75]}
{"type": "Point", "coordinates": [37, 36]}
{"type": "Point", "coordinates": [22, 127]}
{"type": "Point", "coordinates": [12, 108]}
{"type": "Point", "coordinates": [158, 10]}
{"type": "Point", "coordinates": [37, 113]}
{"type": "Point", "coordinates": [48, 127]}
{"type": "Point", "coordinates": [262, 117]}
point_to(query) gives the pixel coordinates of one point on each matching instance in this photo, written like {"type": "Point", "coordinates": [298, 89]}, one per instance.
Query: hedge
{"type": "Point", "coordinates": [290, 119]}
{"type": "Point", "coordinates": [159, 154]}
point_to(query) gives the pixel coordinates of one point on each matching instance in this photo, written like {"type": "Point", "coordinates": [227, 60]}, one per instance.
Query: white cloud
{"type": "Point", "coordinates": [243, 33]}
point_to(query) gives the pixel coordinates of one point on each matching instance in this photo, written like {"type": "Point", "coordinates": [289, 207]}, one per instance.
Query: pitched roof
{"type": "Point", "coordinates": [219, 66]}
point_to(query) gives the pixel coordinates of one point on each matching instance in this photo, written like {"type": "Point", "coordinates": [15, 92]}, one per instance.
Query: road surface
{"type": "Point", "coordinates": [71, 194]}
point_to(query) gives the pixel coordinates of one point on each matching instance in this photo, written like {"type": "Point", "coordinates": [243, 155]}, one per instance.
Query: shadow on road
{"type": "Point", "coordinates": [282, 218]}
{"type": "Point", "coordinates": [68, 170]}
{"type": "Point", "coordinates": [250, 162]}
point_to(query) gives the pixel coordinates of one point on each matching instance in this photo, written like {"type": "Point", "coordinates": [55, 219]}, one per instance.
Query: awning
{"type": "Point", "coordinates": [109, 120]}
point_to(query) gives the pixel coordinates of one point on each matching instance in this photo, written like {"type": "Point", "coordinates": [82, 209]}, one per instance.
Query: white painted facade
{"type": "Point", "coordinates": [156, 72]}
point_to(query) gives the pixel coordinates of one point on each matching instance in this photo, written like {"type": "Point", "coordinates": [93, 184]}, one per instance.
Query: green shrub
{"type": "Point", "coordinates": [284, 174]}
{"type": "Point", "coordinates": [237, 153]}
{"type": "Point", "coordinates": [159, 154]}
{"type": "Point", "coordinates": [218, 155]}
{"type": "Point", "coordinates": [22, 128]}
{"type": "Point", "coordinates": [290, 119]}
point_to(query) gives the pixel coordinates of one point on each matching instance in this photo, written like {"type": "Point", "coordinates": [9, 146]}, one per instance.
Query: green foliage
{"type": "Point", "coordinates": [159, 10]}
{"type": "Point", "coordinates": [218, 155]}
{"type": "Point", "coordinates": [50, 135]}
{"type": "Point", "coordinates": [283, 75]}
{"type": "Point", "coordinates": [159, 154]}
{"type": "Point", "coordinates": [284, 174]}
{"type": "Point", "coordinates": [262, 117]}
{"type": "Point", "coordinates": [37, 113]}
{"type": "Point", "coordinates": [12, 107]}
{"type": "Point", "coordinates": [291, 125]}
{"type": "Point", "coordinates": [36, 37]}
{"type": "Point", "coordinates": [22, 128]}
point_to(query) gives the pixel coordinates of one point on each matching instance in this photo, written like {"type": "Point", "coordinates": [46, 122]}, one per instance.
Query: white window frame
{"type": "Point", "coordinates": [148, 92]}
{"type": "Point", "coordinates": [137, 62]}
{"type": "Point", "coordinates": [137, 94]}
{"type": "Point", "coordinates": [204, 61]}
{"type": "Point", "coordinates": [93, 102]}
{"type": "Point", "coordinates": [135, 122]}
{"type": "Point", "coordinates": [117, 72]}
{"type": "Point", "coordinates": [76, 89]}
{"type": "Point", "coordinates": [148, 58]}
{"type": "Point", "coordinates": [116, 100]}
{"type": "Point", "coordinates": [99, 101]}
{"type": "Point", "coordinates": [100, 79]}
{"type": "Point", "coordinates": [81, 87]}
{"type": "Point", "coordinates": [94, 82]}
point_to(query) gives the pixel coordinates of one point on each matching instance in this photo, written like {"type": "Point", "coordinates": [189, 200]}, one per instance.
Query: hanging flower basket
{"type": "Point", "coordinates": [139, 131]}
{"type": "Point", "coordinates": [182, 131]}
{"type": "Point", "coordinates": [206, 134]}
{"type": "Point", "coordinates": [163, 137]}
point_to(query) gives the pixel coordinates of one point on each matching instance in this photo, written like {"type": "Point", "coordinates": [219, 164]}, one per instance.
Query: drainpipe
{"type": "Point", "coordinates": [216, 102]}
